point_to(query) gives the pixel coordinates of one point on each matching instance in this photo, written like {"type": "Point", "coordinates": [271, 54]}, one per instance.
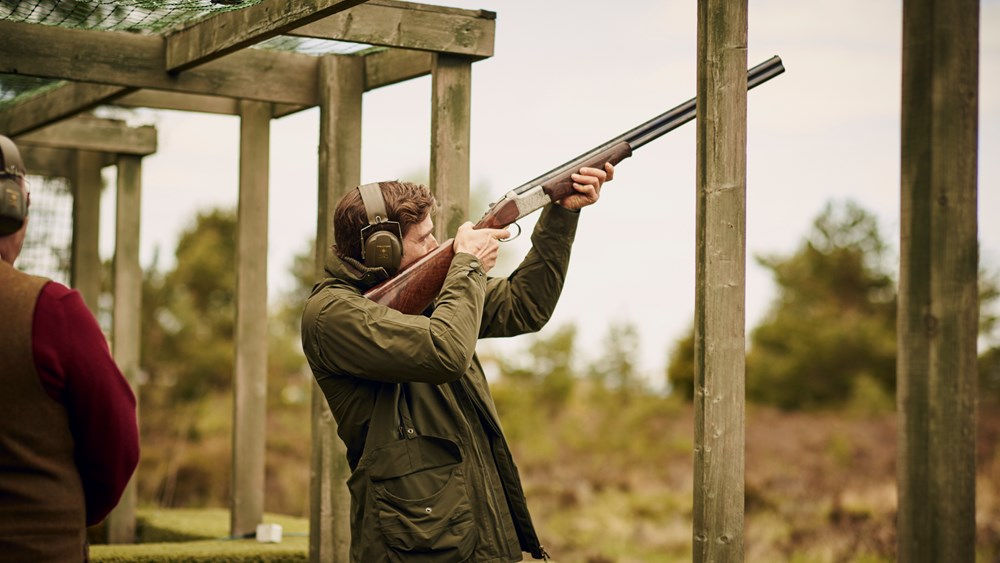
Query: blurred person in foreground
{"type": "Point", "coordinates": [68, 436]}
{"type": "Point", "coordinates": [432, 476]}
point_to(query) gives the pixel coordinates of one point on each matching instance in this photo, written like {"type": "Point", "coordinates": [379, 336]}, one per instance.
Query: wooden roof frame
{"type": "Point", "coordinates": [199, 67]}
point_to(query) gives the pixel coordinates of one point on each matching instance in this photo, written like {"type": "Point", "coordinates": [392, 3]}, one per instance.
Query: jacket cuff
{"type": "Point", "coordinates": [466, 263]}
{"type": "Point", "coordinates": [559, 221]}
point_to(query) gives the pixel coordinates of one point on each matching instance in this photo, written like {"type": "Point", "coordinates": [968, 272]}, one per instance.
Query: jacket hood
{"type": "Point", "coordinates": [350, 271]}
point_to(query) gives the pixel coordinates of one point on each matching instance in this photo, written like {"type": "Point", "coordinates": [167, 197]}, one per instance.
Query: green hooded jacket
{"type": "Point", "coordinates": [432, 477]}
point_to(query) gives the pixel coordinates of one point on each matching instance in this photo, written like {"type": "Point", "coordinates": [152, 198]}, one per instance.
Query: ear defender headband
{"type": "Point", "coordinates": [13, 204]}
{"type": "Point", "coordinates": [382, 239]}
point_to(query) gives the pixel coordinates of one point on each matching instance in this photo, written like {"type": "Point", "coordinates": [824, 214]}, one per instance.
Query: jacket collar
{"type": "Point", "coordinates": [351, 271]}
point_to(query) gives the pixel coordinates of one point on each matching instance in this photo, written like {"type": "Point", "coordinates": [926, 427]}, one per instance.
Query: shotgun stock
{"type": "Point", "coordinates": [413, 289]}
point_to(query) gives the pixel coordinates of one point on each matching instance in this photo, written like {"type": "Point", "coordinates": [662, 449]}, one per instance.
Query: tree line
{"type": "Point", "coordinates": [828, 341]}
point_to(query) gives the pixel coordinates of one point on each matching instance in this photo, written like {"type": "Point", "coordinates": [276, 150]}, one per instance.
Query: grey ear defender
{"type": "Point", "coordinates": [13, 203]}
{"type": "Point", "coordinates": [382, 239]}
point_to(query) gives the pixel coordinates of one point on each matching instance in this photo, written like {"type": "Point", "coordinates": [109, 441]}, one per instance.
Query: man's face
{"type": "Point", "coordinates": [417, 241]}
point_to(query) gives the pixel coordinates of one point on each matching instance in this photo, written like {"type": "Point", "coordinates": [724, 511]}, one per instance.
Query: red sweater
{"type": "Point", "coordinates": [76, 369]}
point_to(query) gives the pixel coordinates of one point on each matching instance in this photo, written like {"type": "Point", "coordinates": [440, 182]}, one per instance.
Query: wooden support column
{"type": "Point", "coordinates": [720, 294]}
{"type": "Point", "coordinates": [341, 84]}
{"type": "Point", "coordinates": [85, 266]}
{"type": "Point", "coordinates": [938, 297]}
{"type": "Point", "coordinates": [126, 324]}
{"type": "Point", "coordinates": [250, 385]}
{"type": "Point", "coordinates": [451, 93]}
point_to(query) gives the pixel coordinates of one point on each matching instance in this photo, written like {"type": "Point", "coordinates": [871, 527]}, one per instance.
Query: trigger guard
{"type": "Point", "coordinates": [508, 239]}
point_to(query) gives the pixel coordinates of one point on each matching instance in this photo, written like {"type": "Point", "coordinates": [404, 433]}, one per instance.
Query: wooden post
{"type": "Point", "coordinates": [720, 294]}
{"type": "Point", "coordinates": [126, 322]}
{"type": "Point", "coordinates": [85, 268]}
{"type": "Point", "coordinates": [250, 385]}
{"type": "Point", "coordinates": [938, 297]}
{"type": "Point", "coordinates": [451, 93]}
{"type": "Point", "coordinates": [341, 85]}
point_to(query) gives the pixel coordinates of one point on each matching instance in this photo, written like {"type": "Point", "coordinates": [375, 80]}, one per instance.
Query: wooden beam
{"type": "Point", "coordinates": [127, 316]}
{"type": "Point", "coordinates": [180, 102]}
{"type": "Point", "coordinates": [384, 67]}
{"type": "Point", "coordinates": [226, 32]}
{"type": "Point", "coordinates": [391, 66]}
{"type": "Point", "coordinates": [937, 316]}
{"type": "Point", "coordinates": [250, 379]}
{"type": "Point", "coordinates": [95, 134]}
{"type": "Point", "coordinates": [410, 26]}
{"type": "Point", "coordinates": [136, 61]}
{"type": "Point", "coordinates": [48, 162]}
{"type": "Point", "coordinates": [451, 106]}
{"type": "Point", "coordinates": [341, 87]}
{"type": "Point", "coordinates": [85, 258]}
{"type": "Point", "coordinates": [177, 101]}
{"type": "Point", "coordinates": [53, 105]}
{"type": "Point", "coordinates": [720, 282]}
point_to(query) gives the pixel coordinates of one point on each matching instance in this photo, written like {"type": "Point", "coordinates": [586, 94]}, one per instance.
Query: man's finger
{"type": "Point", "coordinates": [593, 172]}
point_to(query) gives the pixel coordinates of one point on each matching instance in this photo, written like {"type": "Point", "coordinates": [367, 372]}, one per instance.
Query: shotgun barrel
{"type": "Point", "coordinates": [659, 125]}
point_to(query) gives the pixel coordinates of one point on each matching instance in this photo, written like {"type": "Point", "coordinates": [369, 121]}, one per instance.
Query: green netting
{"type": "Point", "coordinates": [14, 85]}
{"type": "Point", "coordinates": [129, 15]}
{"type": "Point", "coordinates": [46, 250]}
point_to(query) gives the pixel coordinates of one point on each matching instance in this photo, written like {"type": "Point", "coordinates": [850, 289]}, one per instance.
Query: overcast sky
{"type": "Point", "coordinates": [568, 75]}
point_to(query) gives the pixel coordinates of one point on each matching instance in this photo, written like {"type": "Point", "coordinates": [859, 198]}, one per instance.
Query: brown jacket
{"type": "Point", "coordinates": [42, 507]}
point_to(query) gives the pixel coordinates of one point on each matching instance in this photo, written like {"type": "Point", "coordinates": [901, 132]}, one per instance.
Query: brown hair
{"type": "Point", "coordinates": [405, 202]}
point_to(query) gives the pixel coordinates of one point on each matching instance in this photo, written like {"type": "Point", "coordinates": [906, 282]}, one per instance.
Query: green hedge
{"type": "Point", "coordinates": [201, 535]}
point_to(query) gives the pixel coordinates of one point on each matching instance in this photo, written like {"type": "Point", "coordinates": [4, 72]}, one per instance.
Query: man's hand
{"type": "Point", "coordinates": [481, 243]}
{"type": "Point", "coordinates": [587, 184]}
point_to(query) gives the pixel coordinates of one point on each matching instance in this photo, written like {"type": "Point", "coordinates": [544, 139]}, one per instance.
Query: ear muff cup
{"type": "Point", "coordinates": [13, 208]}
{"type": "Point", "coordinates": [13, 204]}
{"type": "Point", "coordinates": [381, 240]}
{"type": "Point", "coordinates": [383, 249]}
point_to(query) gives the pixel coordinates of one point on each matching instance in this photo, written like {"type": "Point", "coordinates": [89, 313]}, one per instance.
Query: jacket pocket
{"type": "Point", "coordinates": [420, 494]}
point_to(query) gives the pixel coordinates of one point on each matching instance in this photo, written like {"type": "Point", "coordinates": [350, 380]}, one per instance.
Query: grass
{"type": "Point", "coordinates": [202, 535]}
{"type": "Point", "coordinates": [215, 551]}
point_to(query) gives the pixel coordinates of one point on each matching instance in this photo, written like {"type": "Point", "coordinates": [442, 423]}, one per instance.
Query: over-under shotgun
{"type": "Point", "coordinates": [415, 287]}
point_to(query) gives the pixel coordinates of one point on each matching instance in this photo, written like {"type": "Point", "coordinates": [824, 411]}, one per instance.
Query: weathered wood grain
{"type": "Point", "coordinates": [409, 26]}
{"type": "Point", "coordinates": [250, 378]}
{"type": "Point", "coordinates": [95, 134]}
{"type": "Point", "coordinates": [85, 258]}
{"type": "Point", "coordinates": [451, 109]}
{"type": "Point", "coordinates": [937, 317]}
{"type": "Point", "coordinates": [126, 325]}
{"type": "Point", "coordinates": [720, 293]}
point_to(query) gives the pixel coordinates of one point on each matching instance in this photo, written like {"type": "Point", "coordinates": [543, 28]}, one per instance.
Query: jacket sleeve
{"type": "Point", "coordinates": [524, 301]}
{"type": "Point", "coordinates": [76, 368]}
{"type": "Point", "coordinates": [345, 333]}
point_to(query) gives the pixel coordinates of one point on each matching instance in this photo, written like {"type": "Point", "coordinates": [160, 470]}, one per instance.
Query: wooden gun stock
{"type": "Point", "coordinates": [413, 289]}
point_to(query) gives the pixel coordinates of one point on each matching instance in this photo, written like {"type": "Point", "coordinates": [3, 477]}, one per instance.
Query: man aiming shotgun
{"type": "Point", "coordinates": [390, 336]}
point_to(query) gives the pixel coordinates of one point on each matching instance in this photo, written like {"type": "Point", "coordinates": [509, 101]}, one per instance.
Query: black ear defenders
{"type": "Point", "coordinates": [13, 204]}
{"type": "Point", "coordinates": [382, 239]}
